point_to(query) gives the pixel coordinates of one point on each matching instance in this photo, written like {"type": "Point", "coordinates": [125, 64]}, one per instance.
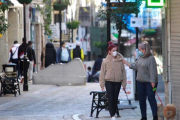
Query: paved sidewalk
{"type": "Point", "coordinates": [48, 102]}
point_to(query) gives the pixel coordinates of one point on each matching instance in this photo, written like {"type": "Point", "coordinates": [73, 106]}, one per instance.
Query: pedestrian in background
{"type": "Point", "coordinates": [21, 52]}
{"type": "Point", "coordinates": [77, 52]}
{"type": "Point", "coordinates": [147, 79]}
{"type": "Point", "coordinates": [89, 75]}
{"type": "Point", "coordinates": [97, 65]}
{"type": "Point", "coordinates": [63, 54]}
{"type": "Point", "coordinates": [32, 60]}
{"type": "Point", "coordinates": [50, 55]}
{"type": "Point", "coordinates": [13, 56]}
{"type": "Point", "coordinates": [112, 76]}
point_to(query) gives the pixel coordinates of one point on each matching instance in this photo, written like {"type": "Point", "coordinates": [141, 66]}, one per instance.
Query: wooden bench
{"type": "Point", "coordinates": [100, 102]}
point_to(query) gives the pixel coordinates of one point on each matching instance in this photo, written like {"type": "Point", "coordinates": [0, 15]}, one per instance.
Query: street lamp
{"type": "Point", "coordinates": [72, 29]}
{"type": "Point", "coordinates": [60, 20]}
{"type": "Point", "coordinates": [137, 42]}
{"type": "Point", "coordinates": [25, 85]}
{"type": "Point", "coordinates": [149, 11]}
{"type": "Point", "coordinates": [108, 23]}
{"type": "Point", "coordinates": [60, 6]}
{"type": "Point", "coordinates": [102, 37]}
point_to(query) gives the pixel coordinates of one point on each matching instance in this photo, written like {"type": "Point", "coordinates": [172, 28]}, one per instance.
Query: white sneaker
{"type": "Point", "coordinates": [113, 118]}
{"type": "Point", "coordinates": [30, 81]}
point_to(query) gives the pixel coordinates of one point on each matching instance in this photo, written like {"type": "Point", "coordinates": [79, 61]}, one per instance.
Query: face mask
{"type": "Point", "coordinates": [141, 54]}
{"type": "Point", "coordinates": [114, 53]}
{"type": "Point", "coordinates": [66, 46]}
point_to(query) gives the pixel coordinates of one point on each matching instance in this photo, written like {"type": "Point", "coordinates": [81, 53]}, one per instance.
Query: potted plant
{"type": "Point", "coordinates": [149, 31]}
{"type": "Point", "coordinates": [73, 24]}
{"type": "Point", "coordinates": [60, 5]}
{"type": "Point", "coordinates": [24, 1]}
{"type": "Point", "coordinates": [99, 44]}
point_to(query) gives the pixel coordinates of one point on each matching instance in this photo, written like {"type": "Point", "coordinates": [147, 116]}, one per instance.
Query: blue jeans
{"type": "Point", "coordinates": [144, 91]}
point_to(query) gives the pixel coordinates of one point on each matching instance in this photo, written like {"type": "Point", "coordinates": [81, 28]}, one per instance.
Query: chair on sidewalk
{"type": "Point", "coordinates": [9, 80]}
{"type": "Point", "coordinates": [100, 102]}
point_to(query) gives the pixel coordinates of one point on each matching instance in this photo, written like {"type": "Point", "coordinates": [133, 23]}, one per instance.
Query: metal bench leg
{"type": "Point", "coordinates": [97, 112]}
{"type": "Point", "coordinates": [92, 108]}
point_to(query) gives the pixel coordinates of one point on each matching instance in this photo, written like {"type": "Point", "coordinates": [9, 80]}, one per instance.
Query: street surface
{"type": "Point", "coordinates": [49, 102]}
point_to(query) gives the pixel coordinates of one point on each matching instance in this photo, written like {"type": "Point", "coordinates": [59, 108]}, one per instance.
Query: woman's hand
{"type": "Point", "coordinates": [153, 85]}
{"type": "Point", "coordinates": [102, 88]}
{"type": "Point", "coordinates": [126, 63]}
{"type": "Point", "coordinates": [124, 88]}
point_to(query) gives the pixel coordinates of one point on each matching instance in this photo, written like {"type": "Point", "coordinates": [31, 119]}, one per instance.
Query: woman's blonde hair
{"type": "Point", "coordinates": [147, 49]}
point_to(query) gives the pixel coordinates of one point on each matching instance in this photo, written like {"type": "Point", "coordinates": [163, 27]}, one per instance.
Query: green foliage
{"type": "Point", "coordinates": [122, 7]}
{"type": "Point", "coordinates": [3, 25]}
{"type": "Point", "coordinates": [46, 12]}
{"type": "Point", "coordinates": [3, 21]}
{"type": "Point", "coordinates": [117, 14]}
{"type": "Point", "coordinates": [24, 1]}
{"type": "Point", "coordinates": [62, 2]}
{"type": "Point", "coordinates": [149, 31]}
{"type": "Point", "coordinates": [99, 44]}
{"type": "Point", "coordinates": [3, 7]}
{"type": "Point", "coordinates": [73, 24]}
{"type": "Point", "coordinates": [61, 5]}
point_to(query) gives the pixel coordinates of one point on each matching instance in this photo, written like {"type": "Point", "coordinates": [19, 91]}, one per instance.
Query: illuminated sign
{"type": "Point", "coordinates": [155, 3]}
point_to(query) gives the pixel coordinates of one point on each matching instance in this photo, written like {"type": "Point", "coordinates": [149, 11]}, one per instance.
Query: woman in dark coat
{"type": "Point", "coordinates": [97, 65]}
{"type": "Point", "coordinates": [50, 54]}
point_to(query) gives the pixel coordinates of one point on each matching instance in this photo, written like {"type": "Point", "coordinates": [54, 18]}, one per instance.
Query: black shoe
{"type": "Point", "coordinates": [144, 118]}
{"type": "Point", "coordinates": [155, 118]}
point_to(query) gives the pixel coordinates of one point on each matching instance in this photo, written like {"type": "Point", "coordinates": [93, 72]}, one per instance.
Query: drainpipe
{"type": "Point", "coordinates": [169, 50]}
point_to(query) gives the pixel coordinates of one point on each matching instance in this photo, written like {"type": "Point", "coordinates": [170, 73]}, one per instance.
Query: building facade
{"type": "Point", "coordinates": [171, 53]}
{"type": "Point", "coordinates": [34, 29]}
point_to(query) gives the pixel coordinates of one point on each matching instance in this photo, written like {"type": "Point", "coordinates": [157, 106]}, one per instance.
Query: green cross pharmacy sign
{"type": "Point", "coordinates": [154, 3]}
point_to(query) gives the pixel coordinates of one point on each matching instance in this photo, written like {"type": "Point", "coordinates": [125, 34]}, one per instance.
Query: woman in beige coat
{"type": "Point", "coordinates": [112, 76]}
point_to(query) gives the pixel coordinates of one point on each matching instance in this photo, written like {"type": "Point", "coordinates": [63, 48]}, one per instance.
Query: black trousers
{"type": "Point", "coordinates": [112, 89]}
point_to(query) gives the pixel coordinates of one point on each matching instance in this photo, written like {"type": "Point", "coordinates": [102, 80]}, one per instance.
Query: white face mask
{"type": "Point", "coordinates": [114, 53]}
{"type": "Point", "coordinates": [66, 46]}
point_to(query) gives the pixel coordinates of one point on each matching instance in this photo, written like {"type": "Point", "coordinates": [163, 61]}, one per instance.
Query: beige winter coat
{"type": "Point", "coordinates": [113, 70]}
